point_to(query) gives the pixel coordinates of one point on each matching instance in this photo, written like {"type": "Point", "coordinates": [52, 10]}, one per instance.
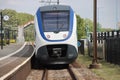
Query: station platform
{"type": "Point", "coordinates": [13, 59]}
{"type": "Point", "coordinates": [11, 48]}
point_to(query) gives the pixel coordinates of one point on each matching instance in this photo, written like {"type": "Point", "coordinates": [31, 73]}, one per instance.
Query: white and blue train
{"type": "Point", "coordinates": [56, 35]}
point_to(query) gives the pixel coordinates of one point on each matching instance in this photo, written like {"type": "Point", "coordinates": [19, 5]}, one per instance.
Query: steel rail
{"type": "Point", "coordinates": [45, 74]}
{"type": "Point", "coordinates": [72, 74]}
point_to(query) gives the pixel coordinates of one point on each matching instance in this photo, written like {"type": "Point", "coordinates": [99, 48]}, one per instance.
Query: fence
{"type": "Point", "coordinates": [113, 50]}
{"type": "Point", "coordinates": [108, 46]}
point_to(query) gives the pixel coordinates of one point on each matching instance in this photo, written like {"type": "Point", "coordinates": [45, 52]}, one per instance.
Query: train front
{"type": "Point", "coordinates": [56, 36]}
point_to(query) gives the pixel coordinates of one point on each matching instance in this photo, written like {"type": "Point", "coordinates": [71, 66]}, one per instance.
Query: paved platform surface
{"type": "Point", "coordinates": [9, 65]}
{"type": "Point", "coordinates": [8, 49]}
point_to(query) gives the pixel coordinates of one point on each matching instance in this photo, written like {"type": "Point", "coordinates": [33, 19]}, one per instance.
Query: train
{"type": "Point", "coordinates": [55, 35]}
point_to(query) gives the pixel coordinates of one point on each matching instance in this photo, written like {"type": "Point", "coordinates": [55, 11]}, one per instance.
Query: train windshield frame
{"type": "Point", "coordinates": [55, 21]}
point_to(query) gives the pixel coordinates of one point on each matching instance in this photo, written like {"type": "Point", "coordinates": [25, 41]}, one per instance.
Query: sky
{"type": "Point", "coordinates": [108, 12]}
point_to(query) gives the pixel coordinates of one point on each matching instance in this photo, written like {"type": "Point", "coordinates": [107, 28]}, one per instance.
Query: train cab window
{"type": "Point", "coordinates": [55, 21]}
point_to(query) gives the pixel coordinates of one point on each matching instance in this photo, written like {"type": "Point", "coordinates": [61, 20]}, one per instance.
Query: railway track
{"type": "Point", "coordinates": [45, 74]}
{"type": "Point", "coordinates": [72, 72]}
{"type": "Point", "coordinates": [52, 74]}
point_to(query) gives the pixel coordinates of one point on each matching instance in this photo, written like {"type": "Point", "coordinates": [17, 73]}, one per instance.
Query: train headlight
{"type": "Point", "coordinates": [48, 36]}
{"type": "Point", "coordinates": [64, 35]}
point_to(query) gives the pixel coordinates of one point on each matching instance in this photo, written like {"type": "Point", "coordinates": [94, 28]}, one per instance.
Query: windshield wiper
{"type": "Point", "coordinates": [58, 30]}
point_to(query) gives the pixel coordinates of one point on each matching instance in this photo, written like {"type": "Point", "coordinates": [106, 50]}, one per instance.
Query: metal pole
{"type": "Point", "coordinates": [1, 31]}
{"type": "Point", "coordinates": [95, 63]}
{"type": "Point", "coordinates": [50, 2]}
{"type": "Point", "coordinates": [116, 14]}
{"type": "Point", "coordinates": [95, 31]}
{"type": "Point", "coordinates": [58, 2]}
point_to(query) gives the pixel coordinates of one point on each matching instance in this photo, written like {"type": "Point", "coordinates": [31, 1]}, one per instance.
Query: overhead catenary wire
{"type": "Point", "coordinates": [49, 2]}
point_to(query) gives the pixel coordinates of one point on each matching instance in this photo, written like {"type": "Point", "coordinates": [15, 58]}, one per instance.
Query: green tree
{"type": "Point", "coordinates": [106, 29]}
{"type": "Point", "coordinates": [12, 17]}
{"type": "Point", "coordinates": [89, 24]}
{"type": "Point", "coordinates": [90, 27]}
{"type": "Point", "coordinates": [99, 26]}
{"type": "Point", "coordinates": [15, 18]}
{"type": "Point", "coordinates": [80, 27]}
{"type": "Point", "coordinates": [23, 18]}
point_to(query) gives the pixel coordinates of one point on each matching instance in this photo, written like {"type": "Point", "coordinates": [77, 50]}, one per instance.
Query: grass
{"type": "Point", "coordinates": [108, 71]}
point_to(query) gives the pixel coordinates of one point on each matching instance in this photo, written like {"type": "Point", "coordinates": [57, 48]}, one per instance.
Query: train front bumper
{"type": "Point", "coordinates": [56, 54]}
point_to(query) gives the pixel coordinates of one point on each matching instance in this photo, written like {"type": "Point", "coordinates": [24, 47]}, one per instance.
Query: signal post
{"type": "Point", "coordinates": [95, 63]}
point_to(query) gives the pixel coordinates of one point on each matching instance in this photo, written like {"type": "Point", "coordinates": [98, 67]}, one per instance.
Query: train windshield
{"type": "Point", "coordinates": [55, 21]}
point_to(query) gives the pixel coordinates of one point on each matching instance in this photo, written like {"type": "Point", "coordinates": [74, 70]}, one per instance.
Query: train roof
{"type": "Point", "coordinates": [55, 7]}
